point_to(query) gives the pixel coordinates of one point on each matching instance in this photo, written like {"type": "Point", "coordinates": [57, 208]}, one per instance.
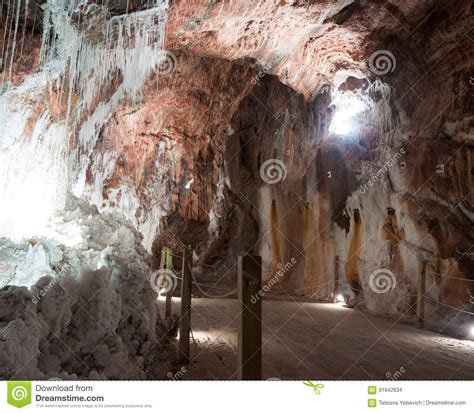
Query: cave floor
{"type": "Point", "coordinates": [323, 341]}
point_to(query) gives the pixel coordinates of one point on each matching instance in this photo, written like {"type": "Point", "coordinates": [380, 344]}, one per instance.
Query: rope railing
{"type": "Point", "coordinates": [198, 264]}
{"type": "Point", "coordinates": [450, 306]}
{"type": "Point", "coordinates": [320, 267]}
{"type": "Point", "coordinates": [198, 284]}
{"type": "Point", "coordinates": [310, 287]}
{"type": "Point", "coordinates": [206, 294]}
{"type": "Point", "coordinates": [432, 300]}
{"type": "Point", "coordinates": [194, 281]}
{"type": "Point", "coordinates": [446, 276]}
{"type": "Point", "coordinates": [201, 284]}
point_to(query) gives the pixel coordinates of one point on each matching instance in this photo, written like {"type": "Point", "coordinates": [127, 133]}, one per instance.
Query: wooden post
{"type": "Point", "coordinates": [169, 294]}
{"type": "Point", "coordinates": [336, 278]}
{"type": "Point", "coordinates": [250, 325]}
{"type": "Point", "coordinates": [163, 258]}
{"type": "Point", "coordinates": [162, 266]}
{"type": "Point", "coordinates": [185, 321]}
{"type": "Point", "coordinates": [420, 296]}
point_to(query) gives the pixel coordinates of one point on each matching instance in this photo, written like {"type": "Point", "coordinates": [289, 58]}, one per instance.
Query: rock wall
{"type": "Point", "coordinates": [394, 191]}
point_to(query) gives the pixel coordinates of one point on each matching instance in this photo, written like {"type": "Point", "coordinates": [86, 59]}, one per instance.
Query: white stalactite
{"type": "Point", "coordinates": [77, 62]}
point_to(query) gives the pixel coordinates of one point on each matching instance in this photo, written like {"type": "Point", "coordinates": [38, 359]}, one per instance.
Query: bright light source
{"type": "Point", "coordinates": [340, 298]}
{"type": "Point", "coordinates": [189, 184]}
{"type": "Point", "coordinates": [347, 107]}
{"type": "Point", "coordinates": [33, 176]}
{"type": "Point", "coordinates": [472, 331]}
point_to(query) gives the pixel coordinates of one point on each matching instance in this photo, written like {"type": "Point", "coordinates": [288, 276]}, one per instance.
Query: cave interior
{"type": "Point", "coordinates": [143, 144]}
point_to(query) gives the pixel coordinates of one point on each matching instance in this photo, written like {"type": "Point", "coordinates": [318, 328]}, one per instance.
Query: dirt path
{"type": "Point", "coordinates": [324, 341]}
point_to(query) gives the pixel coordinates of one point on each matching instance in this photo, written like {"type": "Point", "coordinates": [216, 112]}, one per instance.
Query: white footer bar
{"type": "Point", "coordinates": [218, 396]}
